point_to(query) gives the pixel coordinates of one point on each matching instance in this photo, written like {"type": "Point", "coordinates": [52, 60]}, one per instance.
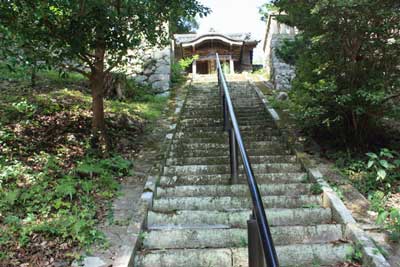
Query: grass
{"type": "Point", "coordinates": [53, 189]}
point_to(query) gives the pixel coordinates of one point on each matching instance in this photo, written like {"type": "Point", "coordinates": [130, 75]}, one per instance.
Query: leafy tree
{"type": "Point", "coordinates": [184, 25]}
{"type": "Point", "coordinates": [93, 36]}
{"type": "Point", "coordinates": [19, 52]}
{"type": "Point", "coordinates": [348, 65]}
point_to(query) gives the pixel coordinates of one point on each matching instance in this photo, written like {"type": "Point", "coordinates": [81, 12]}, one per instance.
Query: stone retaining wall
{"type": "Point", "coordinates": [281, 73]}
{"type": "Point", "coordinates": [151, 66]}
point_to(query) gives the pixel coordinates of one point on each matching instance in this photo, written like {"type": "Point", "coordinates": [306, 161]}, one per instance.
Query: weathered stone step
{"type": "Point", "coordinates": [221, 169]}
{"type": "Point", "coordinates": [182, 219]}
{"type": "Point", "coordinates": [204, 108]}
{"type": "Point", "coordinates": [219, 121]}
{"type": "Point", "coordinates": [253, 128]}
{"type": "Point", "coordinates": [273, 150]}
{"type": "Point", "coordinates": [233, 203]}
{"type": "Point", "coordinates": [252, 102]}
{"type": "Point", "coordinates": [217, 115]}
{"type": "Point", "coordinates": [221, 238]}
{"type": "Point", "coordinates": [226, 159]}
{"type": "Point", "coordinates": [215, 98]}
{"type": "Point", "coordinates": [238, 190]}
{"type": "Point", "coordinates": [199, 123]}
{"type": "Point", "coordinates": [225, 146]}
{"type": "Point", "coordinates": [246, 135]}
{"type": "Point", "coordinates": [299, 255]}
{"type": "Point", "coordinates": [264, 178]}
{"type": "Point", "coordinates": [223, 139]}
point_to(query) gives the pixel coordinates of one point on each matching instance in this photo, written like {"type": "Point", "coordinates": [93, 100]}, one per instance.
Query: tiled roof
{"type": "Point", "coordinates": [186, 38]}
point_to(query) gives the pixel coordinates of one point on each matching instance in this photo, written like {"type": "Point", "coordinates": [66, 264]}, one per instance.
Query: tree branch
{"type": "Point", "coordinates": [76, 69]}
{"type": "Point", "coordinates": [86, 59]}
{"type": "Point", "coordinates": [390, 98]}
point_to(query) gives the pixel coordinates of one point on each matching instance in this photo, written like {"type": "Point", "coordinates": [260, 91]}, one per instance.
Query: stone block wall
{"type": "Point", "coordinates": [151, 66]}
{"type": "Point", "coordinates": [281, 73]}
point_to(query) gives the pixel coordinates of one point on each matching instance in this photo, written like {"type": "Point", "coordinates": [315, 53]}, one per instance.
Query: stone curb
{"type": "Point", "coordinates": [128, 251]}
{"type": "Point", "coordinates": [372, 257]}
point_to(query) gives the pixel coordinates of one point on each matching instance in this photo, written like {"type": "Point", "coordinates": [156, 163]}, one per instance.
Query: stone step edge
{"type": "Point", "coordinates": [372, 257]}
{"type": "Point", "coordinates": [238, 256]}
{"type": "Point", "coordinates": [237, 237]}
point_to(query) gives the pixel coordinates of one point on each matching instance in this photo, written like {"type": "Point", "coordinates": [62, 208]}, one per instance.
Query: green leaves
{"type": "Point", "coordinates": [386, 165]}
{"type": "Point", "coordinates": [66, 187]}
{"type": "Point", "coordinates": [62, 205]}
{"type": "Point", "coordinates": [381, 174]}
{"type": "Point", "coordinates": [391, 220]}
{"type": "Point", "coordinates": [345, 44]}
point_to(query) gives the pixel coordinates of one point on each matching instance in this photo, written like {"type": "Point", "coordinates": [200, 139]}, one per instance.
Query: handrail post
{"type": "Point", "coordinates": [226, 113]}
{"type": "Point", "coordinates": [233, 149]}
{"type": "Point", "coordinates": [256, 253]}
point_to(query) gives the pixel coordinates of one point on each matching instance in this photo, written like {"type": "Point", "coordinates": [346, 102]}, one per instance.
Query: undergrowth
{"type": "Point", "coordinates": [54, 189]}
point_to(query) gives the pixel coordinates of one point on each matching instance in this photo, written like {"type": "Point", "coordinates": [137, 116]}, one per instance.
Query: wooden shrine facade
{"type": "Point", "coordinates": [235, 51]}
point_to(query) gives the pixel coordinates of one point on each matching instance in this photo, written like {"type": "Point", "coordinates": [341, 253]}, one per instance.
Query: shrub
{"type": "Point", "coordinates": [288, 50]}
{"type": "Point", "coordinates": [347, 73]}
{"type": "Point", "coordinates": [177, 69]}
{"type": "Point", "coordinates": [391, 220]}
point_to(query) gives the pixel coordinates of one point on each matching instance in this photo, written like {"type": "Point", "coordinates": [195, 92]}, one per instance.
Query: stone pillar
{"type": "Point", "coordinates": [194, 68]}
{"type": "Point", "coordinates": [232, 65]}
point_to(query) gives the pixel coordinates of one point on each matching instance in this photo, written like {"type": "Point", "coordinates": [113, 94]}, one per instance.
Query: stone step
{"type": "Point", "coordinates": [233, 203]}
{"type": "Point", "coordinates": [300, 255]}
{"type": "Point", "coordinates": [219, 122]}
{"type": "Point", "coordinates": [226, 160]}
{"type": "Point", "coordinates": [242, 123]}
{"type": "Point", "coordinates": [204, 109]}
{"type": "Point", "coordinates": [205, 129]}
{"type": "Point", "coordinates": [222, 238]}
{"type": "Point", "coordinates": [217, 115]}
{"type": "Point", "coordinates": [179, 152]}
{"type": "Point", "coordinates": [216, 112]}
{"type": "Point", "coordinates": [223, 139]}
{"type": "Point", "coordinates": [225, 146]}
{"type": "Point", "coordinates": [237, 190]}
{"type": "Point", "coordinates": [215, 100]}
{"type": "Point", "coordinates": [246, 135]}
{"type": "Point", "coordinates": [183, 219]}
{"type": "Point", "coordinates": [225, 169]}
{"type": "Point", "coordinates": [225, 179]}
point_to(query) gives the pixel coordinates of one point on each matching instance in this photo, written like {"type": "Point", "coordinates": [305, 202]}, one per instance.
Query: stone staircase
{"type": "Point", "coordinates": [198, 218]}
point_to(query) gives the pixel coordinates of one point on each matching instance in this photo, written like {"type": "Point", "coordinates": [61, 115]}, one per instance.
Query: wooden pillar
{"type": "Point", "coordinates": [194, 68]}
{"type": "Point", "coordinates": [232, 65]}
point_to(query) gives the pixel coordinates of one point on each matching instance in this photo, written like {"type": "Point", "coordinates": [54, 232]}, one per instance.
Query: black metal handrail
{"type": "Point", "coordinates": [261, 246]}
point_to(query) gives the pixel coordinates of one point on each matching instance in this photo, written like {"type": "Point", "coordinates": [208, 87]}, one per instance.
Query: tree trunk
{"type": "Point", "coordinates": [97, 90]}
{"type": "Point", "coordinates": [33, 75]}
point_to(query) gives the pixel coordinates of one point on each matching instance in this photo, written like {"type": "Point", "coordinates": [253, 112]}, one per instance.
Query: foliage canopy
{"type": "Point", "coordinates": [348, 73]}
{"type": "Point", "coordinates": [93, 36]}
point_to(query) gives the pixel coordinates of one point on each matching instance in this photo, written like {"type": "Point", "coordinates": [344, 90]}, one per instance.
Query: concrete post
{"type": "Point", "coordinates": [194, 68]}
{"type": "Point", "coordinates": [232, 65]}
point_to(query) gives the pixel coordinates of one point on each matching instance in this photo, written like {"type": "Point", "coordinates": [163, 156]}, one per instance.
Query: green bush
{"type": "Point", "coordinates": [391, 220]}
{"type": "Point", "coordinates": [178, 68]}
{"type": "Point", "coordinates": [56, 203]}
{"type": "Point", "coordinates": [288, 50]}
{"type": "Point", "coordinates": [347, 73]}
{"type": "Point", "coordinates": [384, 169]}
{"type": "Point", "coordinates": [377, 177]}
